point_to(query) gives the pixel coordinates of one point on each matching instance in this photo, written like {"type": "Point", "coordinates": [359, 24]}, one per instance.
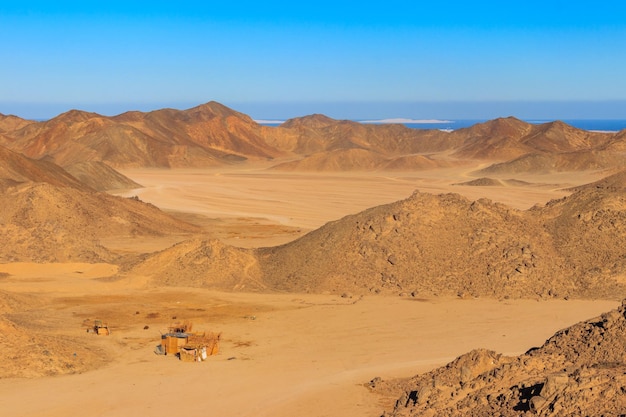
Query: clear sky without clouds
{"type": "Point", "coordinates": [350, 59]}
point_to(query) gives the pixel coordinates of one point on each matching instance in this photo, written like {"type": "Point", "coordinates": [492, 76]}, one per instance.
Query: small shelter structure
{"type": "Point", "coordinates": [100, 328]}
{"type": "Point", "coordinates": [199, 347]}
{"type": "Point", "coordinates": [187, 345]}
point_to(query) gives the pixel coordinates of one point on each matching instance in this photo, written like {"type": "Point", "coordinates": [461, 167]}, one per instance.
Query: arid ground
{"type": "Point", "coordinates": [256, 207]}
{"type": "Point", "coordinates": [281, 354]}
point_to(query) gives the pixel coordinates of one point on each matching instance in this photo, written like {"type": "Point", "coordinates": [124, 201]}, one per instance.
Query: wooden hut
{"type": "Point", "coordinates": [172, 342]}
{"type": "Point", "coordinates": [189, 346]}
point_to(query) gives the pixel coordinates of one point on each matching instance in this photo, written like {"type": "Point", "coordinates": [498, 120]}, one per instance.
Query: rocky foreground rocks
{"type": "Point", "coordinates": [580, 371]}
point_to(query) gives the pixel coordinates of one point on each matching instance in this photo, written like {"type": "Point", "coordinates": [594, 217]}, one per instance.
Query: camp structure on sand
{"type": "Point", "coordinates": [189, 346]}
{"type": "Point", "coordinates": [100, 328]}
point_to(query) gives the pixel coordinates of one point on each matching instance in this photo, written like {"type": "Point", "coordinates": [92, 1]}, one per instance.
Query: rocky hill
{"type": "Point", "coordinates": [48, 215]}
{"type": "Point", "coordinates": [589, 227]}
{"type": "Point", "coordinates": [498, 139]}
{"type": "Point", "coordinates": [425, 244]}
{"type": "Point", "coordinates": [509, 137]}
{"type": "Point", "coordinates": [44, 223]}
{"type": "Point", "coordinates": [580, 371]}
{"type": "Point", "coordinates": [202, 263]}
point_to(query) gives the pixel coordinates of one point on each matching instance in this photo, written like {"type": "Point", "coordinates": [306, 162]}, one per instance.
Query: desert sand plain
{"type": "Point", "coordinates": [280, 354]}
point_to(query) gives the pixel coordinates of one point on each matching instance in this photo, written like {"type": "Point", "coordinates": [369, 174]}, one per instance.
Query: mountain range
{"type": "Point", "coordinates": [214, 135]}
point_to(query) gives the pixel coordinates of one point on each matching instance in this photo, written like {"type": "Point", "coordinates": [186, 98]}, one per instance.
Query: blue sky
{"type": "Point", "coordinates": [445, 59]}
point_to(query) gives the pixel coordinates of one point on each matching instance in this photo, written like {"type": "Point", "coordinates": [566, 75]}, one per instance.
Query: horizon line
{"type": "Point", "coordinates": [375, 111]}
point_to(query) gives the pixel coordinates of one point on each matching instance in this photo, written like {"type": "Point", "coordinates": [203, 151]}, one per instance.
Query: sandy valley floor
{"type": "Point", "coordinates": [257, 207]}
{"type": "Point", "coordinates": [281, 354]}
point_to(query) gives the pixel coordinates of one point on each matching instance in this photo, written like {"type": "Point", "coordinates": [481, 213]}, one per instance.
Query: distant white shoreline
{"type": "Point", "coordinates": [269, 122]}
{"type": "Point", "coordinates": [376, 121]}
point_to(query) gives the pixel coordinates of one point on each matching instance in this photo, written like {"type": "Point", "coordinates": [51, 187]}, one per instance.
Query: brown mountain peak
{"type": "Point", "coordinates": [509, 126]}
{"type": "Point", "coordinates": [556, 126]}
{"type": "Point", "coordinates": [314, 121]}
{"type": "Point", "coordinates": [558, 136]}
{"type": "Point", "coordinates": [213, 109]}
{"type": "Point", "coordinates": [501, 132]}
{"type": "Point", "coordinates": [74, 116]}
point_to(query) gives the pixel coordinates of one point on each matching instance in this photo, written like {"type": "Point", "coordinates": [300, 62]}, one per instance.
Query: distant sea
{"type": "Point", "coordinates": [614, 125]}
{"type": "Point", "coordinates": [591, 124]}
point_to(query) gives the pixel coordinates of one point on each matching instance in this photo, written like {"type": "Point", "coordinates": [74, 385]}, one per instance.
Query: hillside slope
{"type": "Point", "coordinates": [44, 223]}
